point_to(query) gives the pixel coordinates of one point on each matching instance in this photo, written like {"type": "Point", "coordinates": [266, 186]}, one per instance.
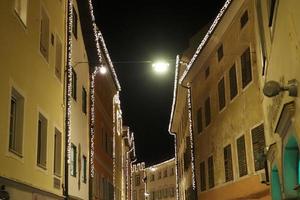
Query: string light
{"type": "Point", "coordinates": [205, 39]}
{"type": "Point", "coordinates": [191, 137]}
{"type": "Point", "coordinates": [69, 80]}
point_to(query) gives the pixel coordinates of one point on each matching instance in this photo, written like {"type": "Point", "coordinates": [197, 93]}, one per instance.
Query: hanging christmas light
{"type": "Point", "coordinates": [205, 39]}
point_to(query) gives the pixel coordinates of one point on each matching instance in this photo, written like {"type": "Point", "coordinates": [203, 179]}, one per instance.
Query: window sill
{"type": "Point", "coordinates": [42, 166]}
{"type": "Point", "coordinates": [16, 153]}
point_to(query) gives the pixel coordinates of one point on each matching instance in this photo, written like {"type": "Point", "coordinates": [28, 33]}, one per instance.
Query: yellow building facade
{"type": "Point", "coordinates": [222, 81]}
{"type": "Point", "coordinates": [32, 89]}
{"type": "Point", "coordinates": [278, 58]}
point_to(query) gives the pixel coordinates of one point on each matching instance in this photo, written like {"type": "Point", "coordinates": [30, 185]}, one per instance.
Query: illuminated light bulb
{"type": "Point", "coordinates": [160, 67]}
{"type": "Point", "coordinates": [103, 70]}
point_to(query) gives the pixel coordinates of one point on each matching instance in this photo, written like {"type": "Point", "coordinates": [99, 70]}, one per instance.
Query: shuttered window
{"type": "Point", "coordinates": [74, 84]}
{"type": "Point", "coordinates": [259, 144]}
{"type": "Point", "coordinates": [202, 176]}
{"type": "Point", "coordinates": [220, 53]}
{"type": "Point", "coordinates": [233, 82]}
{"type": "Point", "coordinates": [75, 22]}
{"type": "Point", "coordinates": [242, 160]}
{"type": "Point", "coordinates": [228, 163]}
{"type": "Point", "coordinates": [58, 58]}
{"type": "Point", "coordinates": [44, 34]}
{"type": "Point", "coordinates": [211, 178]}
{"type": "Point", "coordinates": [42, 141]}
{"type": "Point", "coordinates": [199, 120]}
{"type": "Point", "coordinates": [207, 111]}
{"type": "Point", "coordinates": [246, 67]}
{"type": "Point", "coordinates": [244, 19]}
{"type": "Point", "coordinates": [221, 92]}
{"type": "Point", "coordinates": [57, 152]}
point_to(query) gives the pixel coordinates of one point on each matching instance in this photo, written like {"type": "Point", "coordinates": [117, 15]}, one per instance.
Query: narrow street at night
{"type": "Point", "coordinates": [149, 100]}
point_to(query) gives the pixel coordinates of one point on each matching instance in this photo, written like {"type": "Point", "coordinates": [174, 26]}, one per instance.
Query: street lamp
{"type": "Point", "coordinates": [160, 67]}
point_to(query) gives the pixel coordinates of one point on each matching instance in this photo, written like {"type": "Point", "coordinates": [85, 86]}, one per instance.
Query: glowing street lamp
{"type": "Point", "coordinates": [160, 67]}
{"type": "Point", "coordinates": [103, 70]}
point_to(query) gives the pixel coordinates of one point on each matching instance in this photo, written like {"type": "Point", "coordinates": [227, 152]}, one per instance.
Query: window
{"type": "Point", "coordinates": [152, 177]}
{"type": "Point", "coordinates": [199, 120]}
{"type": "Point", "coordinates": [165, 173]}
{"type": "Point", "coordinates": [233, 82]}
{"type": "Point", "coordinates": [258, 143]}
{"type": "Point", "coordinates": [220, 53]}
{"type": "Point", "coordinates": [73, 167]}
{"type": "Point", "coordinates": [202, 176]}
{"type": "Point", "coordinates": [228, 163]}
{"type": "Point", "coordinates": [134, 194]}
{"type": "Point", "coordinates": [272, 9]}
{"type": "Point", "coordinates": [21, 10]}
{"type": "Point", "coordinates": [84, 163]}
{"type": "Point", "coordinates": [137, 180]}
{"type": "Point", "coordinates": [84, 95]}
{"type": "Point", "coordinates": [172, 171]}
{"type": "Point", "coordinates": [241, 150]}
{"type": "Point", "coordinates": [75, 22]}
{"type": "Point", "coordinates": [206, 72]}
{"type": "Point", "coordinates": [207, 111]}
{"type": "Point", "coordinates": [44, 34]}
{"type": "Point", "coordinates": [244, 19]}
{"type": "Point", "coordinates": [42, 141]}
{"type": "Point", "coordinates": [16, 123]}
{"type": "Point", "coordinates": [58, 58]}
{"type": "Point", "coordinates": [57, 152]}
{"type": "Point", "coordinates": [74, 84]}
{"type": "Point", "coordinates": [211, 177]}
{"type": "Point", "coordinates": [246, 67]}
{"type": "Point", "coordinates": [221, 92]}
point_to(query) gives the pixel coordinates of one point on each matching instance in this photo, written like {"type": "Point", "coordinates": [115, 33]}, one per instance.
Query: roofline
{"type": "Point", "coordinates": [205, 39]}
{"type": "Point", "coordinates": [161, 163]}
{"type": "Point", "coordinates": [174, 96]}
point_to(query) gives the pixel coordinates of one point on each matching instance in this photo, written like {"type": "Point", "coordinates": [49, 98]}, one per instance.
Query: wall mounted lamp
{"type": "Point", "coordinates": [273, 88]}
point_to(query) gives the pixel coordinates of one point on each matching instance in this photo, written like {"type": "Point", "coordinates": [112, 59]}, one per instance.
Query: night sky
{"type": "Point", "coordinates": [142, 31]}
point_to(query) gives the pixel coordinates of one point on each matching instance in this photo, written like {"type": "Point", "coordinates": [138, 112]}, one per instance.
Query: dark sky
{"type": "Point", "coordinates": [147, 30]}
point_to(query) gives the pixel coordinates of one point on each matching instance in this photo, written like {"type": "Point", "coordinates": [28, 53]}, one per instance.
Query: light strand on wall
{"type": "Point", "coordinates": [69, 80]}
{"type": "Point", "coordinates": [191, 137]}
{"type": "Point", "coordinates": [109, 60]}
{"type": "Point", "coordinates": [205, 39]}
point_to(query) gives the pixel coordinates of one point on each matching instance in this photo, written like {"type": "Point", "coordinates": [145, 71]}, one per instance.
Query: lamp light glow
{"type": "Point", "coordinates": [103, 70]}
{"type": "Point", "coordinates": [160, 67]}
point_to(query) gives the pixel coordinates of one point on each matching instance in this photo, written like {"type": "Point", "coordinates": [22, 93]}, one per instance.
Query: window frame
{"type": "Point", "coordinates": [42, 139]}
{"type": "Point", "coordinates": [18, 15]}
{"type": "Point", "coordinates": [243, 67]}
{"type": "Point", "coordinates": [221, 91]}
{"type": "Point", "coordinates": [46, 56]}
{"type": "Point", "coordinates": [233, 96]}
{"type": "Point", "coordinates": [73, 159]}
{"type": "Point", "coordinates": [228, 179]}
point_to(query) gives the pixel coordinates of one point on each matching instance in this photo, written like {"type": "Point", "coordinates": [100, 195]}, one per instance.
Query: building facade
{"type": "Point", "coordinates": [222, 81]}
{"type": "Point", "coordinates": [160, 181]}
{"type": "Point", "coordinates": [137, 181]}
{"type": "Point", "coordinates": [278, 58]}
{"type": "Point", "coordinates": [32, 98]}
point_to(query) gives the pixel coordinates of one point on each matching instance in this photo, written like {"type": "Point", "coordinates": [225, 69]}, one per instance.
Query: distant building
{"type": "Point", "coordinates": [160, 181]}
{"type": "Point", "coordinates": [224, 101]}
{"type": "Point", "coordinates": [278, 56]}
{"type": "Point", "coordinates": [128, 156]}
{"type": "Point", "coordinates": [137, 181]}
